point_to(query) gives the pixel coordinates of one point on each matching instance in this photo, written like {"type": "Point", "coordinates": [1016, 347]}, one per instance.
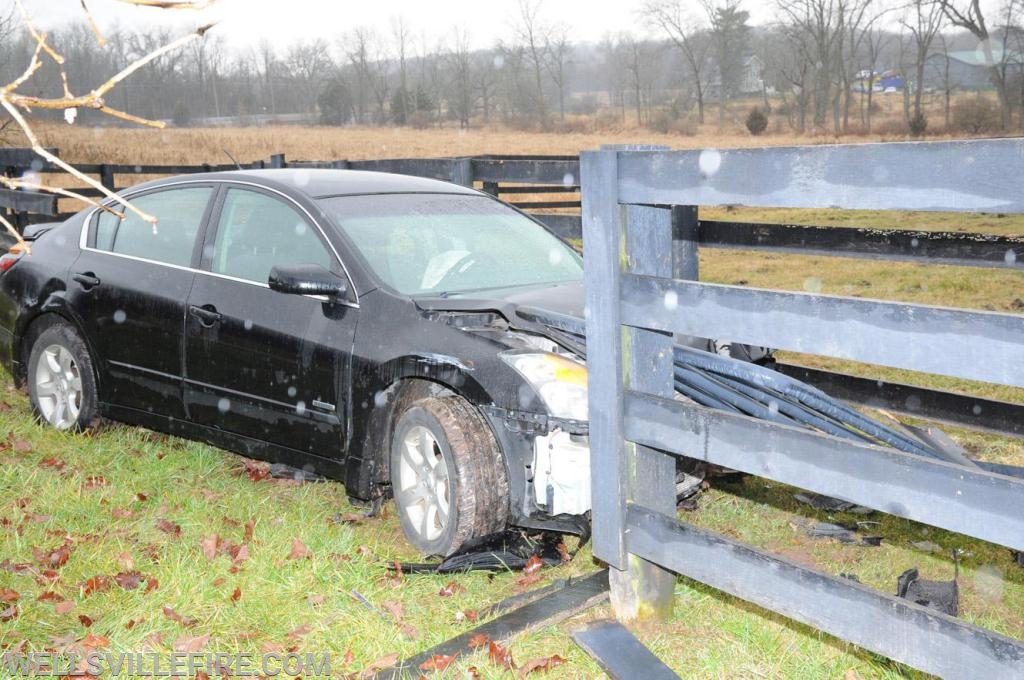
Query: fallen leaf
{"type": "Point", "coordinates": [479, 640]}
{"type": "Point", "coordinates": [304, 629]}
{"type": "Point", "coordinates": [564, 554]}
{"type": "Point", "coordinates": [450, 589]}
{"type": "Point", "coordinates": [543, 664]}
{"type": "Point", "coordinates": [533, 565]}
{"type": "Point", "coordinates": [8, 595]}
{"type": "Point", "coordinates": [257, 471]}
{"type": "Point", "coordinates": [153, 641]}
{"type": "Point", "coordinates": [299, 550]}
{"type": "Point", "coordinates": [65, 607]}
{"type": "Point", "coordinates": [236, 595]}
{"type": "Point", "coordinates": [241, 555]}
{"type": "Point", "coordinates": [141, 496]}
{"type": "Point", "coordinates": [380, 664]}
{"type": "Point", "coordinates": [94, 481]}
{"type": "Point", "coordinates": [250, 526]}
{"type": "Point", "coordinates": [129, 580]}
{"type": "Point", "coordinates": [131, 624]}
{"type": "Point", "coordinates": [126, 561]}
{"type": "Point", "coordinates": [347, 660]}
{"type": "Point", "coordinates": [151, 585]}
{"type": "Point", "coordinates": [121, 513]}
{"type": "Point", "coordinates": [53, 463]}
{"type": "Point", "coordinates": [21, 445]}
{"type": "Point", "coordinates": [94, 584]}
{"type": "Point", "coordinates": [395, 607]}
{"type": "Point", "coordinates": [9, 613]}
{"type": "Point", "coordinates": [438, 662]}
{"type": "Point", "coordinates": [210, 544]}
{"type": "Point", "coordinates": [84, 620]}
{"type": "Point", "coordinates": [168, 527]}
{"type": "Point", "coordinates": [500, 656]}
{"type": "Point", "coordinates": [50, 595]}
{"type": "Point", "coordinates": [186, 621]}
{"type": "Point", "coordinates": [470, 615]}
{"type": "Point", "coordinates": [57, 557]}
{"type": "Point", "coordinates": [473, 673]}
{"type": "Point", "coordinates": [316, 600]}
{"type": "Point", "coordinates": [187, 643]}
{"type": "Point", "coordinates": [93, 641]}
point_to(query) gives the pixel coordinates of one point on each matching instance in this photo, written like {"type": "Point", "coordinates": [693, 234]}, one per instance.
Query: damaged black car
{"type": "Point", "coordinates": [363, 326]}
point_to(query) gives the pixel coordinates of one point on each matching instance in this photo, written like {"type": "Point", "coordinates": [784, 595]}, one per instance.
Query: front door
{"type": "Point", "coordinates": [129, 287]}
{"type": "Point", "coordinates": [260, 363]}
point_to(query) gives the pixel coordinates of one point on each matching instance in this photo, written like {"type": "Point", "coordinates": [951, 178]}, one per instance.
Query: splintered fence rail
{"type": "Point", "coordinates": [637, 297]}
{"type": "Point", "coordinates": [512, 177]}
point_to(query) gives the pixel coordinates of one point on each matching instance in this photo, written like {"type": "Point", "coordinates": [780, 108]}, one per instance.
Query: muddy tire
{"type": "Point", "coordinates": [448, 475]}
{"type": "Point", "coordinates": [61, 379]}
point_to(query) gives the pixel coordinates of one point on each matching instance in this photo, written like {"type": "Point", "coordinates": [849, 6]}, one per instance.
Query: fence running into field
{"type": "Point", "coordinates": [636, 300]}
{"type": "Point", "coordinates": [513, 177]}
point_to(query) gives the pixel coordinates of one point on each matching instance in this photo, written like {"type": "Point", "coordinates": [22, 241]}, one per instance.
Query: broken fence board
{"type": "Point", "coordinates": [618, 653]}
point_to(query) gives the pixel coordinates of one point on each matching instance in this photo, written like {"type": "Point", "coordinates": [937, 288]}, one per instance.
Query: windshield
{"type": "Point", "coordinates": [421, 244]}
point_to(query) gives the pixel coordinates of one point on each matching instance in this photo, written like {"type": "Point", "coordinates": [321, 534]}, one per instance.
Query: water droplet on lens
{"type": "Point", "coordinates": [120, 316]}
{"type": "Point", "coordinates": [913, 403]}
{"type": "Point", "coordinates": [300, 408]}
{"type": "Point", "coordinates": [247, 324]}
{"type": "Point", "coordinates": [555, 256]}
{"type": "Point", "coordinates": [568, 179]}
{"type": "Point", "coordinates": [812, 284]}
{"type": "Point", "coordinates": [380, 399]}
{"type": "Point", "coordinates": [914, 243]}
{"type": "Point", "coordinates": [773, 408]}
{"type": "Point", "coordinates": [671, 300]}
{"type": "Point", "coordinates": [223, 405]}
{"type": "Point", "coordinates": [292, 391]}
{"type": "Point", "coordinates": [1010, 257]}
{"type": "Point", "coordinates": [976, 410]}
{"type": "Point", "coordinates": [709, 161]}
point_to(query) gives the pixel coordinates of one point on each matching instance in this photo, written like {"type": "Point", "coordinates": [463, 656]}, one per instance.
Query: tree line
{"type": "Point", "coordinates": [684, 62]}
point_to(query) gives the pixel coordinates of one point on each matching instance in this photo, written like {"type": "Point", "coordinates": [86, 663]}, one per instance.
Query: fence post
{"type": "Point", "coordinates": [685, 250]}
{"type": "Point", "coordinates": [107, 177]}
{"type": "Point", "coordinates": [637, 239]}
{"type": "Point", "coordinates": [277, 161]}
{"type": "Point", "coordinates": [602, 232]}
{"type": "Point", "coordinates": [644, 589]}
{"type": "Point", "coordinates": [462, 171]}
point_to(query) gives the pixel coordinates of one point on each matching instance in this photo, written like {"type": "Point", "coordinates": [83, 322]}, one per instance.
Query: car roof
{"type": "Point", "coordinates": [321, 182]}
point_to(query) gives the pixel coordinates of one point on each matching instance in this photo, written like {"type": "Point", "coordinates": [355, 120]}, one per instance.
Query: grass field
{"type": "Point", "coordinates": [110, 501]}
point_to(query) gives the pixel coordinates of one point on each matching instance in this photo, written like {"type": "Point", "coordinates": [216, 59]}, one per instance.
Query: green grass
{"type": "Point", "coordinates": [205, 491]}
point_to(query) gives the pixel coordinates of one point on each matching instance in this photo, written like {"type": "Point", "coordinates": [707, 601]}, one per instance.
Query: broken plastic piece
{"type": "Point", "coordinates": [282, 471]}
{"type": "Point", "coordinates": [943, 596]}
{"type": "Point", "coordinates": [829, 504]}
{"type": "Point", "coordinates": [506, 550]}
{"type": "Point", "coordinates": [840, 533]}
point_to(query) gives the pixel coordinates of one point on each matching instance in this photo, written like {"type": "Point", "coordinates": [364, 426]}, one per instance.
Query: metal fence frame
{"type": "Point", "coordinates": [636, 299]}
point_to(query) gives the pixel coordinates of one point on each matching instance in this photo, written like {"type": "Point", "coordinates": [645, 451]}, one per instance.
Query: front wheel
{"type": "Point", "coordinates": [61, 379]}
{"type": "Point", "coordinates": [448, 475]}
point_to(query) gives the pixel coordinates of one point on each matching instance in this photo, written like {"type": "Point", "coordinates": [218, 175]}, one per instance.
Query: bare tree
{"type": "Point", "coordinates": [821, 26]}
{"type": "Point", "coordinates": [688, 36]}
{"type": "Point", "coordinates": [558, 53]}
{"type": "Point", "coordinates": [923, 19]}
{"type": "Point", "coordinates": [18, 105]}
{"type": "Point", "coordinates": [403, 97]}
{"type": "Point", "coordinates": [460, 61]}
{"type": "Point", "coordinates": [970, 16]}
{"type": "Point", "coordinates": [533, 36]}
{"type": "Point", "coordinates": [875, 40]}
{"type": "Point", "coordinates": [309, 65]}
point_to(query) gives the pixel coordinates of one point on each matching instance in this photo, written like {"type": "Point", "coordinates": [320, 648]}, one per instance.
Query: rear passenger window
{"type": "Point", "coordinates": [179, 213]}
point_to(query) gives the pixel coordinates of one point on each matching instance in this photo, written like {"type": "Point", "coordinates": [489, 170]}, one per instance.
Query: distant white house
{"type": "Point", "coordinates": [752, 81]}
{"type": "Point", "coordinates": [969, 69]}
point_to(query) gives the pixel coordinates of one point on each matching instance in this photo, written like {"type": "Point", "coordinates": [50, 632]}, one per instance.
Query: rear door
{"type": "Point", "coordinates": [129, 287]}
{"type": "Point", "coordinates": [260, 363]}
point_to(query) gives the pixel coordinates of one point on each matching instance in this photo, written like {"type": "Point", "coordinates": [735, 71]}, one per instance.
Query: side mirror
{"type": "Point", "coordinates": [306, 279]}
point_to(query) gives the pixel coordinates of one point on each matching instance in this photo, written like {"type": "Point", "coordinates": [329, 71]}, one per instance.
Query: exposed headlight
{"type": "Point", "coordinates": [560, 382]}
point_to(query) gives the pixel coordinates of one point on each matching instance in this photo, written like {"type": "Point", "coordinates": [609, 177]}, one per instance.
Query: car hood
{"type": "Point", "coordinates": [565, 299]}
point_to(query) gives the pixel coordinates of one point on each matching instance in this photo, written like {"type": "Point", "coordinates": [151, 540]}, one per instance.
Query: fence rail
{"type": "Point", "coordinates": [637, 298]}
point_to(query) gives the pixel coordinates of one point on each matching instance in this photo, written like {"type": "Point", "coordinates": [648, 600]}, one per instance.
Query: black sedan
{"type": "Point", "coordinates": [365, 326]}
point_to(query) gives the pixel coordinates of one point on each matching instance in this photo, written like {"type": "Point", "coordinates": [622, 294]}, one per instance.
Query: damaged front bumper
{"type": "Point", "coordinates": [549, 468]}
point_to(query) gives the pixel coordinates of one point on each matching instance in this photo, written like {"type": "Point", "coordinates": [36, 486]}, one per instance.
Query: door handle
{"type": "Point", "coordinates": [207, 314]}
{"type": "Point", "coordinates": [88, 280]}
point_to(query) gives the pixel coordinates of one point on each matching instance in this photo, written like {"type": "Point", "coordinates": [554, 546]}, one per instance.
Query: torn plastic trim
{"type": "Point", "coordinates": [529, 423]}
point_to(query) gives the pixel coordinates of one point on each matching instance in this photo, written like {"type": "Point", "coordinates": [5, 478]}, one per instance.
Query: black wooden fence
{"type": "Point", "coordinates": [512, 177]}
{"type": "Point", "coordinates": [636, 299]}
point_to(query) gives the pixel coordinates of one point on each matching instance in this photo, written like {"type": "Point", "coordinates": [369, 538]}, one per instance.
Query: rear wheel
{"type": "Point", "coordinates": [448, 475]}
{"type": "Point", "coordinates": [61, 378]}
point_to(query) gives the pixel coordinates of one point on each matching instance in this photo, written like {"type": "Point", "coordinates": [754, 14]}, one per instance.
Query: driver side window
{"type": "Point", "coordinates": [257, 232]}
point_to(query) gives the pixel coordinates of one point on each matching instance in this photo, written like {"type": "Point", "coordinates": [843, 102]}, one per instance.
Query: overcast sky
{"type": "Point", "coordinates": [245, 22]}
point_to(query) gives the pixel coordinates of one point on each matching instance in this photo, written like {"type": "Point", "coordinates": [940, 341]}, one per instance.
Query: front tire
{"type": "Point", "coordinates": [61, 379]}
{"type": "Point", "coordinates": [448, 475]}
